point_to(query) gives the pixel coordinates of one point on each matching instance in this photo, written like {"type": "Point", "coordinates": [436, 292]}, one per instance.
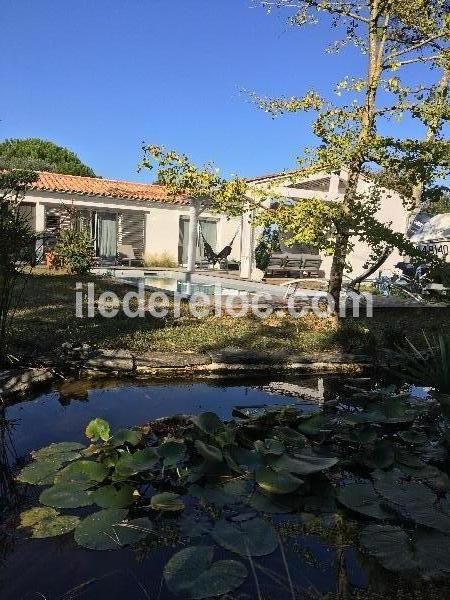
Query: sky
{"type": "Point", "coordinates": [102, 76]}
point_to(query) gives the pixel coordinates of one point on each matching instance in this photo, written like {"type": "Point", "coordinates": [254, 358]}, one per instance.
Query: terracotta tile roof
{"type": "Point", "coordinates": [107, 188]}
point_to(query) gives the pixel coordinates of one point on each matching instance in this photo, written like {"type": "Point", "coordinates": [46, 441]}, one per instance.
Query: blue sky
{"type": "Point", "coordinates": [101, 76]}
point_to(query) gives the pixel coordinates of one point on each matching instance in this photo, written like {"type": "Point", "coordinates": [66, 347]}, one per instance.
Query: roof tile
{"type": "Point", "coordinates": [107, 188]}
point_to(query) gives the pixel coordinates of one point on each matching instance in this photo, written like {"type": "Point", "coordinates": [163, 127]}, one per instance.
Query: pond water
{"type": "Point", "coordinates": [316, 561]}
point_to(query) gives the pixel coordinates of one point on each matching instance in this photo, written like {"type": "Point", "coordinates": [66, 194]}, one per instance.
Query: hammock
{"type": "Point", "coordinates": [210, 255]}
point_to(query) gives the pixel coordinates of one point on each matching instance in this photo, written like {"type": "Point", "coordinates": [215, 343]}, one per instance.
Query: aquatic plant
{"type": "Point", "coordinates": [429, 365]}
{"type": "Point", "coordinates": [376, 458]}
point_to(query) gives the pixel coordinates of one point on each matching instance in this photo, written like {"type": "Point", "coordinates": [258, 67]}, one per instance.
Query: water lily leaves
{"type": "Point", "coordinates": [432, 553]}
{"type": "Point", "coordinates": [413, 500]}
{"type": "Point", "coordinates": [302, 464]}
{"type": "Point", "coordinates": [290, 436]}
{"type": "Point", "coordinates": [270, 447]}
{"type": "Point", "coordinates": [126, 436]}
{"type": "Point", "coordinates": [98, 429]}
{"type": "Point", "coordinates": [82, 471]}
{"type": "Point", "coordinates": [363, 499]}
{"type": "Point", "coordinates": [40, 472]}
{"type": "Point", "coordinates": [47, 522]}
{"type": "Point", "coordinates": [111, 496]}
{"type": "Point", "coordinates": [382, 456]}
{"type": "Point", "coordinates": [228, 494]}
{"type": "Point", "coordinates": [315, 425]}
{"type": "Point", "coordinates": [250, 538]}
{"type": "Point", "coordinates": [173, 452]}
{"type": "Point", "coordinates": [364, 435]}
{"type": "Point", "coordinates": [208, 422]}
{"type": "Point", "coordinates": [191, 573]}
{"type": "Point", "coordinates": [250, 460]}
{"type": "Point", "coordinates": [413, 437]}
{"type": "Point", "coordinates": [390, 545]}
{"type": "Point", "coordinates": [277, 482]}
{"type": "Point", "coordinates": [108, 530]}
{"type": "Point", "coordinates": [209, 452]}
{"type": "Point", "coordinates": [269, 503]}
{"type": "Point", "coordinates": [167, 502]}
{"type": "Point", "coordinates": [136, 462]}
{"type": "Point", "coordinates": [66, 495]}
{"type": "Point", "coordinates": [62, 453]}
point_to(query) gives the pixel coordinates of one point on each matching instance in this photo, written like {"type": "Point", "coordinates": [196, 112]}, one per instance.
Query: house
{"type": "Point", "coordinates": [147, 218]}
{"type": "Point", "coordinates": [118, 212]}
{"type": "Point", "coordinates": [330, 187]}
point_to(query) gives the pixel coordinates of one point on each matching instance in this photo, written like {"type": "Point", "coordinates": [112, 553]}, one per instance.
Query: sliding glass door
{"type": "Point", "coordinates": [207, 227]}
{"type": "Point", "coordinates": [107, 235]}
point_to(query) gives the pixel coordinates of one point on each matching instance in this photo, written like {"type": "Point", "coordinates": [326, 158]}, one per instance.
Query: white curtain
{"type": "Point", "coordinates": [107, 235]}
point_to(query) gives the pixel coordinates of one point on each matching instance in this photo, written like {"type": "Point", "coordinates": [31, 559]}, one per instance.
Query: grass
{"type": "Point", "coordinates": [47, 319]}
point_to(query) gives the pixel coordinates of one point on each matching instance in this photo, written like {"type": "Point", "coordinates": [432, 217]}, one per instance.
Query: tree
{"type": "Point", "coordinates": [17, 246]}
{"type": "Point", "coordinates": [392, 35]}
{"type": "Point", "coordinates": [41, 155]}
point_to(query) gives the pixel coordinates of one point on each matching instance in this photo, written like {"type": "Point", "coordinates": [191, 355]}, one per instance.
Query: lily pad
{"type": "Point", "coordinates": [390, 545]}
{"type": "Point", "coordinates": [192, 574]}
{"type": "Point", "coordinates": [220, 495]}
{"type": "Point", "coordinates": [66, 495]}
{"type": "Point", "coordinates": [208, 422]}
{"type": "Point", "coordinates": [209, 452]}
{"type": "Point", "coordinates": [290, 436]}
{"type": "Point", "coordinates": [250, 460]}
{"type": "Point", "coordinates": [62, 452]}
{"type": "Point", "coordinates": [277, 482]}
{"type": "Point", "coordinates": [269, 503]}
{"type": "Point", "coordinates": [39, 472]}
{"type": "Point", "coordinates": [47, 522]}
{"type": "Point", "coordinates": [98, 429]}
{"type": "Point", "coordinates": [302, 464]}
{"type": "Point", "coordinates": [381, 456]}
{"type": "Point", "coordinates": [317, 424]}
{"type": "Point", "coordinates": [415, 438]}
{"type": "Point", "coordinates": [363, 499]}
{"type": "Point", "coordinates": [82, 471]}
{"type": "Point", "coordinates": [109, 530]}
{"type": "Point", "coordinates": [167, 502]}
{"type": "Point", "coordinates": [413, 500]}
{"type": "Point", "coordinates": [173, 452]}
{"type": "Point", "coordinates": [111, 496]}
{"type": "Point", "coordinates": [270, 447]}
{"type": "Point", "coordinates": [131, 463]}
{"type": "Point", "coordinates": [127, 436]}
{"type": "Point", "coordinates": [251, 538]}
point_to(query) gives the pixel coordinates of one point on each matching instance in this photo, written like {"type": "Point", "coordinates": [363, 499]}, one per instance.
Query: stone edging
{"type": "Point", "coordinates": [87, 362]}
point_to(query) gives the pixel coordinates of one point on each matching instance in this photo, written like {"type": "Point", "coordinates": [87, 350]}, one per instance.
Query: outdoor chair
{"type": "Point", "coordinates": [293, 265]}
{"type": "Point", "coordinates": [125, 254]}
{"type": "Point", "coordinates": [276, 265]}
{"type": "Point", "coordinates": [311, 266]}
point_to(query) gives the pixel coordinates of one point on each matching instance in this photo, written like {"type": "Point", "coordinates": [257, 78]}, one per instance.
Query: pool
{"type": "Point", "coordinates": [316, 562]}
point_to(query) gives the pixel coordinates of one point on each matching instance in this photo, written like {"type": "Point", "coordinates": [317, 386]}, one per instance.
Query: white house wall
{"type": "Point", "coordinates": [161, 220]}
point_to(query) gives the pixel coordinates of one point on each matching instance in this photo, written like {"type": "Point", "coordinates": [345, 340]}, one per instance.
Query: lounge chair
{"type": "Point", "coordinates": [293, 266]}
{"type": "Point", "coordinates": [311, 266]}
{"type": "Point", "coordinates": [276, 265]}
{"type": "Point", "coordinates": [125, 255]}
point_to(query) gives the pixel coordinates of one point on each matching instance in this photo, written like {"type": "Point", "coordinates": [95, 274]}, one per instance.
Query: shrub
{"type": "Point", "coordinates": [267, 245]}
{"type": "Point", "coordinates": [74, 250]}
{"type": "Point", "coordinates": [163, 259]}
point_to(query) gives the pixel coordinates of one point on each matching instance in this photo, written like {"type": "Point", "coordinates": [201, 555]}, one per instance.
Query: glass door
{"type": "Point", "coordinates": [107, 235]}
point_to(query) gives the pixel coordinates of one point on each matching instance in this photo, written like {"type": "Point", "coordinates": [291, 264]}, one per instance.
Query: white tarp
{"type": "Point", "coordinates": [435, 236]}
{"type": "Point", "coordinates": [437, 229]}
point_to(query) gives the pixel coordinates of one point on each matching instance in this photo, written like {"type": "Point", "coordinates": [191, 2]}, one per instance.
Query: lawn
{"type": "Point", "coordinates": [46, 319]}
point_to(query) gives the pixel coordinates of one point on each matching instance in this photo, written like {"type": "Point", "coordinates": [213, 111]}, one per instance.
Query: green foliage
{"type": "Point", "coordinates": [268, 243]}
{"type": "Point", "coordinates": [319, 468]}
{"type": "Point", "coordinates": [17, 246]}
{"type": "Point", "coordinates": [41, 155]}
{"type": "Point", "coordinates": [99, 429]}
{"type": "Point", "coordinates": [429, 365]}
{"type": "Point", "coordinates": [73, 249]}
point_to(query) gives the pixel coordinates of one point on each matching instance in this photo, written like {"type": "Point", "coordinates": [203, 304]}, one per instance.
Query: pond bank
{"type": "Point", "coordinates": [84, 361]}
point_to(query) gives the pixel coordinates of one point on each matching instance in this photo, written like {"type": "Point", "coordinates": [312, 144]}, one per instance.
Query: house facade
{"type": "Point", "coordinates": [116, 213]}
{"type": "Point", "coordinates": [145, 217]}
{"type": "Point", "coordinates": [331, 188]}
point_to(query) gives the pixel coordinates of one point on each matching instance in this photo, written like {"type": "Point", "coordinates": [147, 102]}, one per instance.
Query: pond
{"type": "Point", "coordinates": [307, 548]}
